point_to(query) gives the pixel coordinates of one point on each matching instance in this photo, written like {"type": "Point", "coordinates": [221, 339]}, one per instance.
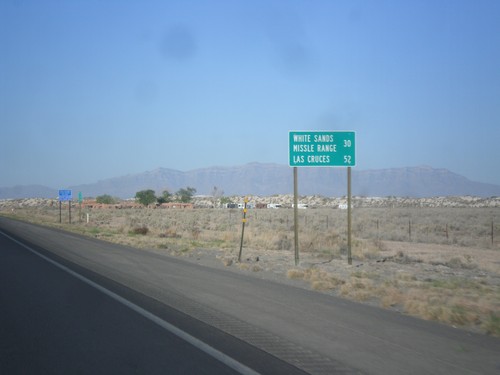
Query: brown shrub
{"type": "Point", "coordinates": [170, 233]}
{"type": "Point", "coordinates": [295, 274]}
{"type": "Point", "coordinates": [141, 230]}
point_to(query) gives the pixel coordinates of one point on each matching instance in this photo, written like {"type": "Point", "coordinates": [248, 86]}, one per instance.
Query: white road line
{"type": "Point", "coordinates": [228, 361]}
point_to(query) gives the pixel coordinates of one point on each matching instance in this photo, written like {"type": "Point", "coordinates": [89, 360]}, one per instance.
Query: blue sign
{"type": "Point", "coordinates": [65, 195]}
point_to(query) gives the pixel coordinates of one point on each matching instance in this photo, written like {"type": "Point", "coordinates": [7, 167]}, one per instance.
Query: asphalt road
{"type": "Point", "coordinates": [269, 327]}
{"type": "Point", "coordinates": [53, 323]}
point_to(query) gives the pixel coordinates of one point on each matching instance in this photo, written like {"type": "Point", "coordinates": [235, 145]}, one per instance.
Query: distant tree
{"type": "Point", "coordinates": [165, 197]}
{"type": "Point", "coordinates": [217, 195]}
{"type": "Point", "coordinates": [105, 199]}
{"type": "Point", "coordinates": [225, 200]}
{"type": "Point", "coordinates": [145, 197]}
{"type": "Point", "coordinates": [185, 195]}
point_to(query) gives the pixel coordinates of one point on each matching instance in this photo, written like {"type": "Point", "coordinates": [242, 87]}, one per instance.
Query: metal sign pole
{"type": "Point", "coordinates": [69, 203]}
{"type": "Point", "coordinates": [244, 220]}
{"type": "Point", "coordinates": [295, 215]}
{"type": "Point", "coordinates": [80, 199]}
{"type": "Point", "coordinates": [60, 211]}
{"type": "Point", "coordinates": [349, 216]}
{"type": "Point", "coordinates": [322, 149]}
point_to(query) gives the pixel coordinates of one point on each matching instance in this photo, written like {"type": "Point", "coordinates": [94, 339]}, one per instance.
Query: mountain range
{"type": "Point", "coordinates": [269, 179]}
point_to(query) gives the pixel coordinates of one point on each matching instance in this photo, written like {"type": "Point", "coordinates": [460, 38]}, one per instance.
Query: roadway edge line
{"type": "Point", "coordinates": [218, 355]}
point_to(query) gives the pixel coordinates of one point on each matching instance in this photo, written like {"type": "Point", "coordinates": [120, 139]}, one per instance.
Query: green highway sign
{"type": "Point", "coordinates": [322, 149]}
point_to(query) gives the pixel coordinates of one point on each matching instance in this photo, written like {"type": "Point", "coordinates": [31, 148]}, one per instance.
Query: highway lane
{"type": "Point", "coordinates": [53, 323]}
{"type": "Point", "coordinates": [317, 333]}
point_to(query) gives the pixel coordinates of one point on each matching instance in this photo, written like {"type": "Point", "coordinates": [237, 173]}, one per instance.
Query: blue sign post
{"type": "Point", "coordinates": [65, 196]}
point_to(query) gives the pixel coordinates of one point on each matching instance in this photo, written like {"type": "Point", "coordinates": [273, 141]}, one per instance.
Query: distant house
{"type": "Point", "coordinates": [274, 205]}
{"type": "Point", "coordinates": [249, 205]}
{"type": "Point", "coordinates": [92, 204]}
{"type": "Point", "coordinates": [176, 205]}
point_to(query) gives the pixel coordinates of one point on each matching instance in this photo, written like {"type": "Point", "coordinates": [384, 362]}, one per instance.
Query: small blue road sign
{"type": "Point", "coordinates": [65, 195]}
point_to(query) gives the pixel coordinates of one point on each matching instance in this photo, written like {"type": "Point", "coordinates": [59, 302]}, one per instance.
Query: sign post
{"type": "Point", "coordinates": [296, 215]}
{"type": "Point", "coordinates": [80, 199]}
{"type": "Point", "coordinates": [349, 217]}
{"type": "Point", "coordinates": [322, 149]}
{"type": "Point", "coordinates": [243, 221]}
{"type": "Point", "coordinates": [65, 195]}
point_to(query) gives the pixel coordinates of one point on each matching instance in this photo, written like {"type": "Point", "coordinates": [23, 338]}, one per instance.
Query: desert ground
{"type": "Point", "coordinates": [434, 258]}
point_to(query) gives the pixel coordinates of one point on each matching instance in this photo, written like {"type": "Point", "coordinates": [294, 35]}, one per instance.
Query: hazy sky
{"type": "Point", "coordinates": [98, 89]}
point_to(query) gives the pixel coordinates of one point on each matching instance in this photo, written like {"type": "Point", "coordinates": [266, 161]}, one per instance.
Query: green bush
{"type": "Point", "coordinates": [105, 199]}
{"type": "Point", "coordinates": [145, 197]}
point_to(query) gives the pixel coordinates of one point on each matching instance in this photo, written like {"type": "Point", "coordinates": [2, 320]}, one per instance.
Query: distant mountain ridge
{"type": "Point", "coordinates": [27, 191]}
{"type": "Point", "coordinates": [269, 179]}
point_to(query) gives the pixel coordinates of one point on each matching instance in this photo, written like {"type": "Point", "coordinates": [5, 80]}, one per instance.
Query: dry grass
{"type": "Point", "coordinates": [295, 274]}
{"type": "Point", "coordinates": [455, 301]}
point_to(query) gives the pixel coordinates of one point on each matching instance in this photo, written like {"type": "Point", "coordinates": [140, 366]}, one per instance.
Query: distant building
{"type": "Point", "coordinates": [274, 205]}
{"type": "Point", "coordinates": [176, 205]}
{"type": "Point", "coordinates": [92, 204]}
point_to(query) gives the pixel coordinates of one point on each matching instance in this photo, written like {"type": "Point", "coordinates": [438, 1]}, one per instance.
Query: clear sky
{"type": "Point", "coordinates": [95, 89]}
